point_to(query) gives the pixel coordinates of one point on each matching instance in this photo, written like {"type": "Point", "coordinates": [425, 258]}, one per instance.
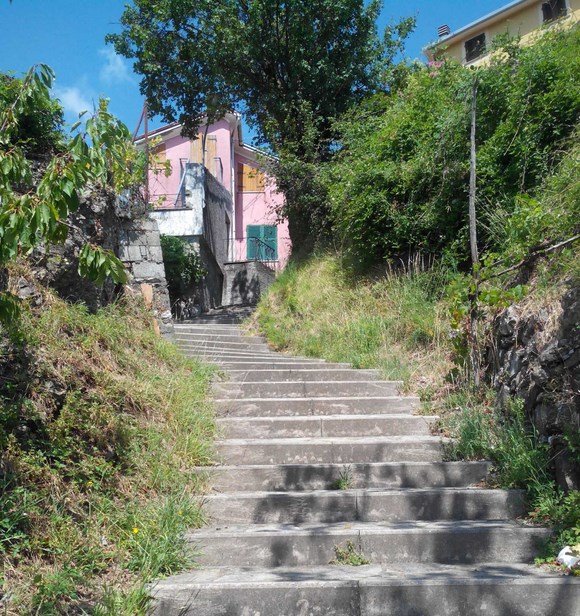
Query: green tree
{"type": "Point", "coordinates": [291, 66]}
{"type": "Point", "coordinates": [37, 196]}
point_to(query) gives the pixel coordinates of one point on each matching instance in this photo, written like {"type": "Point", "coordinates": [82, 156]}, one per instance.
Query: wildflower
{"type": "Point", "coordinates": [135, 530]}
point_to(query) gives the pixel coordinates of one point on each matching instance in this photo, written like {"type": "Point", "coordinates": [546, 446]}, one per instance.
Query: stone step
{"type": "Point", "coordinates": [442, 542]}
{"type": "Point", "coordinates": [303, 374]}
{"type": "Point", "coordinates": [305, 477]}
{"type": "Point", "coordinates": [306, 389]}
{"type": "Point", "coordinates": [288, 407]}
{"type": "Point", "coordinates": [329, 506]}
{"type": "Point", "coordinates": [248, 355]}
{"type": "Point", "coordinates": [234, 330]}
{"type": "Point", "coordinates": [216, 337]}
{"type": "Point", "coordinates": [224, 346]}
{"type": "Point", "coordinates": [289, 363]}
{"type": "Point", "coordinates": [325, 426]}
{"type": "Point", "coordinates": [213, 322]}
{"type": "Point", "coordinates": [330, 450]}
{"type": "Point", "coordinates": [494, 589]}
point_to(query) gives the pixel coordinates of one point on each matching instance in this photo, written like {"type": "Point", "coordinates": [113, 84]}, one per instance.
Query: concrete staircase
{"type": "Point", "coordinates": [295, 431]}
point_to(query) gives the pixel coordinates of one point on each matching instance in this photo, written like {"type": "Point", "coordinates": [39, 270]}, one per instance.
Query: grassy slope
{"type": "Point", "coordinates": [395, 323]}
{"type": "Point", "coordinates": [101, 425]}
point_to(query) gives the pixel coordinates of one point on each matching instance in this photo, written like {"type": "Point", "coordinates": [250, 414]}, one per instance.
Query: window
{"type": "Point", "coordinates": [262, 242]}
{"type": "Point", "coordinates": [210, 150]}
{"type": "Point", "coordinates": [250, 179]}
{"type": "Point", "coordinates": [159, 153]}
{"type": "Point", "coordinates": [475, 47]}
{"type": "Point", "coordinates": [553, 9]}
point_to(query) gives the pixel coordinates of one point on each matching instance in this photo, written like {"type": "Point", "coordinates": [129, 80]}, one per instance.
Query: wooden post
{"type": "Point", "coordinates": [474, 290]}
{"type": "Point", "coordinates": [146, 126]}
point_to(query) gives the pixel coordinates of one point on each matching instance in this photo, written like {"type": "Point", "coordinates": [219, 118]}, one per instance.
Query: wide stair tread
{"type": "Point", "coordinates": [296, 429]}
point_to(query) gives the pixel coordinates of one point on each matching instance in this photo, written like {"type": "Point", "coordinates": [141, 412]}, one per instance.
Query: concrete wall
{"type": "Point", "coordinates": [140, 251]}
{"type": "Point", "coordinates": [244, 283]}
{"type": "Point", "coordinates": [525, 21]}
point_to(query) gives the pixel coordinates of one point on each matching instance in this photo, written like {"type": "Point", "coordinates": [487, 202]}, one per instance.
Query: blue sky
{"type": "Point", "coordinates": [68, 35]}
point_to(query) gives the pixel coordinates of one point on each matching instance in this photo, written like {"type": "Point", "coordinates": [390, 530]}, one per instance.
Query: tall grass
{"type": "Point", "coordinates": [394, 322]}
{"type": "Point", "coordinates": [480, 430]}
{"type": "Point", "coordinates": [101, 425]}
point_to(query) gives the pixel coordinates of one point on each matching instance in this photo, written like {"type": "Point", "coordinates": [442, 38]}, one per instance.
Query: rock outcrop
{"type": "Point", "coordinates": [535, 355]}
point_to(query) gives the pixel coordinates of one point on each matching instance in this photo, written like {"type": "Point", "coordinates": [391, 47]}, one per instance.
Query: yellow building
{"type": "Point", "coordinates": [470, 45]}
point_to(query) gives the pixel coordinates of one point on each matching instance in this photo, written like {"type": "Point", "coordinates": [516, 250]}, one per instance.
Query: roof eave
{"type": "Point", "coordinates": [492, 17]}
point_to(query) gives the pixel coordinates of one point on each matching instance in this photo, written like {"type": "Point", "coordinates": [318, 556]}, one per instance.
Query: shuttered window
{"type": "Point", "coordinates": [262, 242]}
{"type": "Point", "coordinates": [250, 179]}
{"type": "Point", "coordinates": [210, 151]}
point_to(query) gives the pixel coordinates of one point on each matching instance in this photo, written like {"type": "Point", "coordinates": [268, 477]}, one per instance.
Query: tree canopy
{"type": "Point", "coordinates": [42, 172]}
{"type": "Point", "coordinates": [276, 60]}
{"type": "Point", "coordinates": [291, 66]}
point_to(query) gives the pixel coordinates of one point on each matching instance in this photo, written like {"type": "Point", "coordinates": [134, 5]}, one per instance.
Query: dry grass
{"type": "Point", "coordinates": [393, 322]}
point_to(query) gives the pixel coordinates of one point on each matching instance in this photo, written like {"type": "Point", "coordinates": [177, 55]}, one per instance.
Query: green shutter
{"type": "Point", "coordinates": [253, 232]}
{"type": "Point", "coordinates": [270, 238]}
{"type": "Point", "coordinates": [266, 248]}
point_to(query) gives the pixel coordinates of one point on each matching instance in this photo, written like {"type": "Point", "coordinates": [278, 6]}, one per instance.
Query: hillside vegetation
{"type": "Point", "coordinates": [101, 422]}
{"type": "Point", "coordinates": [400, 179]}
{"type": "Point", "coordinates": [396, 291]}
{"type": "Point", "coordinates": [101, 426]}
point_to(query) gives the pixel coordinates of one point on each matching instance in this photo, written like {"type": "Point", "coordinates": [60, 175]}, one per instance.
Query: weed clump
{"type": "Point", "coordinates": [349, 556]}
{"type": "Point", "coordinates": [395, 322]}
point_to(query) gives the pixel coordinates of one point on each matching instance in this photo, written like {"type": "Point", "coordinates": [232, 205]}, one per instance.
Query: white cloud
{"type": "Point", "coordinates": [115, 69]}
{"type": "Point", "coordinates": [73, 99]}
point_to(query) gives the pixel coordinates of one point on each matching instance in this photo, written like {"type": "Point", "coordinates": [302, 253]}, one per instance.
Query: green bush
{"type": "Point", "coordinates": [400, 178]}
{"type": "Point", "coordinates": [183, 267]}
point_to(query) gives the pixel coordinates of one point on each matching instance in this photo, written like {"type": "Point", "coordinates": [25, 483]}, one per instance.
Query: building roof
{"type": "Point", "coordinates": [173, 129]}
{"type": "Point", "coordinates": [501, 13]}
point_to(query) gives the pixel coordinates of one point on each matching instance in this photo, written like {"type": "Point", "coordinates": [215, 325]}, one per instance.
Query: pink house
{"type": "Point", "coordinates": [220, 199]}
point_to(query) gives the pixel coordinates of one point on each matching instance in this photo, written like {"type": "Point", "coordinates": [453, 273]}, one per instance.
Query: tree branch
{"type": "Point", "coordinates": [533, 254]}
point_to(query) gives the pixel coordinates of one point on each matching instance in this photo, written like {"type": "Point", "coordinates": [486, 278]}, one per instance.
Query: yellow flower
{"type": "Point", "coordinates": [89, 484]}
{"type": "Point", "coordinates": [135, 530]}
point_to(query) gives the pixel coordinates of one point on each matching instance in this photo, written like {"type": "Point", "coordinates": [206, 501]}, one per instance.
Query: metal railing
{"type": "Point", "coordinates": [180, 199]}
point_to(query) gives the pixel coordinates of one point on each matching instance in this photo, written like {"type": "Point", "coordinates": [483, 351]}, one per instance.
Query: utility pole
{"type": "Point", "coordinates": [474, 290]}
{"type": "Point", "coordinates": [146, 126]}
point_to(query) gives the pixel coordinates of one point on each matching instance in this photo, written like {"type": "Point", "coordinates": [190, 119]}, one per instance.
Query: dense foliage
{"type": "Point", "coordinates": [42, 172]}
{"type": "Point", "coordinates": [183, 267]}
{"type": "Point", "coordinates": [400, 180]}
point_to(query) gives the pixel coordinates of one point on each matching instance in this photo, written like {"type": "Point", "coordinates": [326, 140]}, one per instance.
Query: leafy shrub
{"type": "Point", "coordinates": [183, 266]}
{"type": "Point", "coordinates": [400, 177]}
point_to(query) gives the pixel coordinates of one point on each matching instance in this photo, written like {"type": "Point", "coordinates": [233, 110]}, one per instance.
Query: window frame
{"type": "Point", "coordinates": [544, 21]}
{"type": "Point", "coordinates": [261, 236]}
{"type": "Point", "coordinates": [480, 55]}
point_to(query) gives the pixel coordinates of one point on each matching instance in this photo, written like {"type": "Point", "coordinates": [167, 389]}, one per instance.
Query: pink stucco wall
{"type": "Point", "coordinates": [259, 208]}
{"type": "Point", "coordinates": [251, 208]}
{"type": "Point", "coordinates": [163, 190]}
